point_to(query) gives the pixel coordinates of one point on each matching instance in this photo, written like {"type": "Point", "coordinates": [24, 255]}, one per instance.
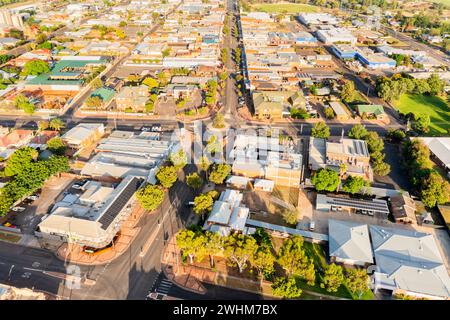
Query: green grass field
{"type": "Point", "coordinates": [436, 107]}
{"type": "Point", "coordinates": [285, 7]}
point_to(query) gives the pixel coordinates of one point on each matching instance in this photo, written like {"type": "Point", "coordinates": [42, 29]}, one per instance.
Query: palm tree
{"type": "Point", "coordinates": [56, 124]}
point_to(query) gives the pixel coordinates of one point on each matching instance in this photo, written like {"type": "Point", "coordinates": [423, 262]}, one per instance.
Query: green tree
{"type": "Point", "coordinates": [325, 180]}
{"type": "Point", "coordinates": [293, 259]}
{"type": "Point", "coordinates": [203, 203]}
{"type": "Point", "coordinates": [329, 113]}
{"type": "Point", "coordinates": [96, 83]}
{"type": "Point", "coordinates": [19, 160]}
{"type": "Point", "coordinates": [320, 130]}
{"type": "Point", "coordinates": [219, 173]}
{"type": "Point", "coordinates": [35, 67]}
{"type": "Point", "coordinates": [333, 278]}
{"type": "Point", "coordinates": [150, 197]}
{"type": "Point", "coordinates": [264, 261]}
{"type": "Point", "coordinates": [192, 244]}
{"type": "Point", "coordinates": [194, 181]}
{"type": "Point", "coordinates": [204, 164]}
{"type": "Point", "coordinates": [57, 164]}
{"type": "Point", "coordinates": [435, 190]}
{"type": "Point", "coordinates": [436, 84]}
{"type": "Point", "coordinates": [381, 168]}
{"type": "Point", "coordinates": [286, 288]}
{"type": "Point", "coordinates": [94, 102]}
{"type": "Point", "coordinates": [218, 121]}
{"type": "Point", "coordinates": [42, 125]}
{"type": "Point", "coordinates": [240, 250]}
{"type": "Point", "coordinates": [179, 159]}
{"type": "Point", "coordinates": [290, 217]}
{"type": "Point", "coordinates": [354, 184]}
{"type": "Point", "coordinates": [357, 281]}
{"type": "Point", "coordinates": [422, 123]}
{"type": "Point", "coordinates": [22, 102]}
{"type": "Point", "coordinates": [358, 132]}
{"type": "Point", "coordinates": [150, 82]}
{"type": "Point", "coordinates": [167, 176]}
{"type": "Point", "coordinates": [214, 245]}
{"type": "Point", "coordinates": [348, 92]}
{"type": "Point", "coordinates": [56, 145]}
{"type": "Point", "coordinates": [56, 124]}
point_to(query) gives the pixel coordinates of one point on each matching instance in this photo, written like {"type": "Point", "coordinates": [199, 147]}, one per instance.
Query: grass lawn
{"type": "Point", "coordinates": [285, 7]}
{"type": "Point", "coordinates": [317, 252]}
{"type": "Point", "coordinates": [436, 107]}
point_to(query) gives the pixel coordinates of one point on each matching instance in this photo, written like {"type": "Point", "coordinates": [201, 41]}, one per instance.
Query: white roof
{"type": "Point", "coordinates": [220, 213]}
{"type": "Point", "coordinates": [239, 218]}
{"type": "Point", "coordinates": [78, 134]}
{"type": "Point", "coordinates": [349, 240]}
{"type": "Point", "coordinates": [411, 260]}
{"type": "Point", "coordinates": [238, 180]}
{"type": "Point", "coordinates": [440, 147]}
{"type": "Point", "coordinates": [263, 183]}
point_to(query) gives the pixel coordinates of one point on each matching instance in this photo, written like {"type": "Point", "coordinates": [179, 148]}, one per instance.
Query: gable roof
{"type": "Point", "coordinates": [410, 260]}
{"type": "Point", "coordinates": [349, 240]}
{"type": "Point", "coordinates": [370, 108]}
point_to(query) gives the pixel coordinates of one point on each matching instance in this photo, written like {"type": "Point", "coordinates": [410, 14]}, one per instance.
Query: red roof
{"type": "Point", "coordinates": [15, 137]}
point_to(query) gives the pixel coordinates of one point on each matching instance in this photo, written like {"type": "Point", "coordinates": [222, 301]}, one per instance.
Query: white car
{"type": "Point", "coordinates": [33, 197]}
{"type": "Point", "coordinates": [18, 209]}
{"type": "Point", "coordinates": [77, 186]}
{"type": "Point", "coordinates": [312, 226]}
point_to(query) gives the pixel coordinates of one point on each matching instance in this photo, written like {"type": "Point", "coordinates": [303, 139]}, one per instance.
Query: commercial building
{"type": "Point", "coordinates": [409, 262]}
{"type": "Point", "coordinates": [92, 218]}
{"type": "Point", "coordinates": [132, 98]}
{"type": "Point", "coordinates": [276, 104]}
{"type": "Point", "coordinates": [341, 112]}
{"type": "Point", "coordinates": [123, 153]}
{"type": "Point", "coordinates": [310, 19]}
{"type": "Point", "coordinates": [349, 243]}
{"type": "Point", "coordinates": [331, 154]}
{"type": "Point", "coordinates": [344, 51]}
{"type": "Point", "coordinates": [340, 203]}
{"type": "Point", "coordinates": [375, 61]}
{"type": "Point", "coordinates": [83, 135]}
{"type": "Point", "coordinates": [333, 35]}
{"type": "Point", "coordinates": [265, 157]}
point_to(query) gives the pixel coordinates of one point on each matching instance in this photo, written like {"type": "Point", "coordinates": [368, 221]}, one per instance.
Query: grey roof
{"type": "Point", "coordinates": [410, 260]}
{"type": "Point", "coordinates": [349, 240]}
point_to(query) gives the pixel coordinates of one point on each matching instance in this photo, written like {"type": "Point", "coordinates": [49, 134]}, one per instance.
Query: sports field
{"type": "Point", "coordinates": [436, 107]}
{"type": "Point", "coordinates": [285, 7]}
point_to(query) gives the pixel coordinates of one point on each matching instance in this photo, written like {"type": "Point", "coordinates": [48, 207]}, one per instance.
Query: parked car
{"type": "Point", "coordinates": [33, 197]}
{"type": "Point", "coordinates": [156, 128]}
{"type": "Point", "coordinates": [145, 129]}
{"type": "Point", "coordinates": [312, 225]}
{"type": "Point", "coordinates": [18, 209]}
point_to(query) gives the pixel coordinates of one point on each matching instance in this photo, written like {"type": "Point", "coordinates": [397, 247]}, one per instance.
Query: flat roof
{"type": "Point", "coordinates": [375, 205]}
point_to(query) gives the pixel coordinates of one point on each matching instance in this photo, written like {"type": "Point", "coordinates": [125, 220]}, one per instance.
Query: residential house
{"type": "Point", "coordinates": [341, 112]}
{"type": "Point", "coordinates": [349, 243]}
{"type": "Point", "coordinates": [403, 209]}
{"type": "Point", "coordinates": [276, 104]}
{"type": "Point", "coordinates": [16, 138]}
{"type": "Point", "coordinates": [370, 111]}
{"type": "Point", "coordinates": [132, 98]}
{"type": "Point", "coordinates": [83, 135]}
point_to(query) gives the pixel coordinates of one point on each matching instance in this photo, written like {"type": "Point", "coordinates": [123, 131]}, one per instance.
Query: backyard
{"type": "Point", "coordinates": [436, 107]}
{"type": "Point", "coordinates": [317, 252]}
{"type": "Point", "coordinates": [285, 7]}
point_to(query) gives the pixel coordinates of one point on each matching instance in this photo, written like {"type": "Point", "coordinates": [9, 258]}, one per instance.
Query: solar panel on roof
{"type": "Point", "coordinates": [117, 205]}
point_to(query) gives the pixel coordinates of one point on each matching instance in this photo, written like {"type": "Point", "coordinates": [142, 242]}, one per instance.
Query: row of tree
{"type": "Point", "coordinates": [432, 187]}
{"type": "Point", "coordinates": [392, 88]}
{"type": "Point", "coordinates": [27, 174]}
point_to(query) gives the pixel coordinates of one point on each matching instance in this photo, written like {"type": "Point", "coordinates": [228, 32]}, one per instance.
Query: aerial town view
{"type": "Point", "coordinates": [240, 150]}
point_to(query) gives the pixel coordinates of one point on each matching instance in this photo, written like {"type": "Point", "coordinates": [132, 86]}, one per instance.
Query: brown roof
{"type": "Point", "coordinates": [403, 206]}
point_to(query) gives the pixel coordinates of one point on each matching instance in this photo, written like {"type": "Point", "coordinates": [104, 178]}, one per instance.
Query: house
{"type": "Point", "coordinates": [7, 42]}
{"type": "Point", "coordinates": [83, 135]}
{"type": "Point", "coordinates": [228, 214]}
{"type": "Point", "coordinates": [16, 139]}
{"type": "Point", "coordinates": [352, 153]}
{"type": "Point", "coordinates": [276, 104]}
{"type": "Point", "coordinates": [409, 262]}
{"type": "Point", "coordinates": [92, 218]}
{"type": "Point", "coordinates": [38, 54]}
{"type": "Point", "coordinates": [403, 209]}
{"type": "Point", "coordinates": [340, 110]}
{"type": "Point", "coordinates": [263, 185]}
{"type": "Point", "coordinates": [370, 111]}
{"type": "Point", "coordinates": [440, 151]}
{"type": "Point", "coordinates": [132, 98]}
{"type": "Point", "coordinates": [349, 243]}
{"type": "Point", "coordinates": [105, 94]}
{"type": "Point", "coordinates": [39, 142]}
{"type": "Point", "coordinates": [238, 182]}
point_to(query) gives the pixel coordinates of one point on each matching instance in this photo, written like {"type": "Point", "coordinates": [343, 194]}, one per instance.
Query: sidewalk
{"type": "Point", "coordinates": [190, 277]}
{"type": "Point", "coordinates": [74, 253]}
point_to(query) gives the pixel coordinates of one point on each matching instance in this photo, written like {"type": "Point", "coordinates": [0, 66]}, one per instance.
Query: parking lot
{"type": "Point", "coordinates": [28, 219]}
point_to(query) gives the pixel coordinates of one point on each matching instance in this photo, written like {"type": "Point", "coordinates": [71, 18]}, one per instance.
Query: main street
{"type": "Point", "coordinates": [127, 277]}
